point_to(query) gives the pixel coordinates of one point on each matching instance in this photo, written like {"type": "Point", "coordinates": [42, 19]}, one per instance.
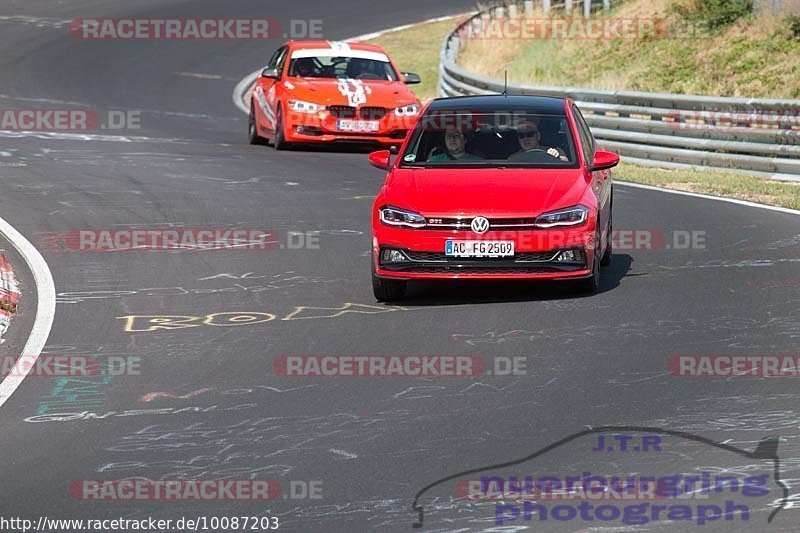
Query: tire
{"type": "Point", "coordinates": [606, 259]}
{"type": "Point", "coordinates": [591, 284]}
{"type": "Point", "coordinates": [252, 130]}
{"type": "Point", "coordinates": [387, 290]}
{"type": "Point", "coordinates": [280, 138]}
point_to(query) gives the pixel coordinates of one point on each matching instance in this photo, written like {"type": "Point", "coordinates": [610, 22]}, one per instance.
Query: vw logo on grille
{"type": "Point", "coordinates": [480, 225]}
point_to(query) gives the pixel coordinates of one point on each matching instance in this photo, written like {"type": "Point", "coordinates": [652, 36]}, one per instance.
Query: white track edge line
{"type": "Point", "coordinates": [710, 197]}
{"type": "Point", "coordinates": [242, 87]}
{"type": "Point", "coordinates": [45, 310]}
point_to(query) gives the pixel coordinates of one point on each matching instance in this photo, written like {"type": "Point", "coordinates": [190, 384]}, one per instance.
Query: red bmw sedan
{"type": "Point", "coordinates": [493, 187]}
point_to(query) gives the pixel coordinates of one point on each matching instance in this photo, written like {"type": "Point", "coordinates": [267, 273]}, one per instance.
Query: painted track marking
{"type": "Point", "coordinates": [45, 309]}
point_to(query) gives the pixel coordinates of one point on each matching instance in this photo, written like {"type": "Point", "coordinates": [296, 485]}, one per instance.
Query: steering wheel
{"type": "Point", "coordinates": [557, 155]}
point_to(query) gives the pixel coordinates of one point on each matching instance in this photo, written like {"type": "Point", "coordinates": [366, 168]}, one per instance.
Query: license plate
{"type": "Point", "coordinates": [479, 248]}
{"type": "Point", "coordinates": [358, 125]}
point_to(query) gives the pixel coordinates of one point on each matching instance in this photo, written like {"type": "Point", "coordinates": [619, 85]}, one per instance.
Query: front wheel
{"type": "Point", "coordinates": [252, 127]}
{"type": "Point", "coordinates": [387, 290]}
{"type": "Point", "coordinates": [591, 284]}
{"type": "Point", "coordinates": [280, 136]}
{"type": "Point", "coordinates": [606, 259]}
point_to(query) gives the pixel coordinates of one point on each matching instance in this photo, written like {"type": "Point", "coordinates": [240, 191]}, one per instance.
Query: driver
{"type": "Point", "coordinates": [529, 137]}
{"type": "Point", "coordinates": [304, 68]}
{"type": "Point", "coordinates": [455, 147]}
{"type": "Point", "coordinates": [357, 67]}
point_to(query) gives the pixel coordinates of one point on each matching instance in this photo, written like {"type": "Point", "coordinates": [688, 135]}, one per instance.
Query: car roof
{"type": "Point", "coordinates": [320, 43]}
{"type": "Point", "coordinates": [546, 105]}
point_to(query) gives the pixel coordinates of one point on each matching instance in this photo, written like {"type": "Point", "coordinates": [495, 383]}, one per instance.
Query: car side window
{"type": "Point", "coordinates": [273, 61]}
{"type": "Point", "coordinates": [281, 60]}
{"type": "Point", "coordinates": [587, 141]}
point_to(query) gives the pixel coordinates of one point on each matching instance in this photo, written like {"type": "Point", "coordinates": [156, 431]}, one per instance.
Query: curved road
{"type": "Point", "coordinates": [217, 411]}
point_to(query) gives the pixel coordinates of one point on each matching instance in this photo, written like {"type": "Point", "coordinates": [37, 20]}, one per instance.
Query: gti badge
{"type": "Point", "coordinates": [480, 225]}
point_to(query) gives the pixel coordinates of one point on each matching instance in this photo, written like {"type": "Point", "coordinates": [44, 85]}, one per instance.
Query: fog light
{"type": "Point", "coordinates": [393, 256]}
{"type": "Point", "coordinates": [570, 256]}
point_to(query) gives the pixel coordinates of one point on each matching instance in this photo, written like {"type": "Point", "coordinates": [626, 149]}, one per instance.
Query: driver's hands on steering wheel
{"type": "Point", "coordinates": [555, 152]}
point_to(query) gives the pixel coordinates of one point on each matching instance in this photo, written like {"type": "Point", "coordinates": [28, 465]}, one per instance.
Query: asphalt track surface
{"type": "Point", "coordinates": [372, 442]}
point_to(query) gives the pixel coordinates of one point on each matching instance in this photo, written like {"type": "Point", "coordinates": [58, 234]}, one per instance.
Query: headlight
{"type": "Point", "coordinates": [409, 110]}
{"type": "Point", "coordinates": [304, 107]}
{"type": "Point", "coordinates": [571, 216]}
{"type": "Point", "coordinates": [400, 217]}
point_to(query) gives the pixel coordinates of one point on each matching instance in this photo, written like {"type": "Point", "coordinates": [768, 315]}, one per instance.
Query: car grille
{"type": "Point", "coordinates": [483, 270]}
{"type": "Point", "coordinates": [342, 111]}
{"type": "Point", "coordinates": [518, 257]}
{"type": "Point", "coordinates": [494, 223]}
{"type": "Point", "coordinates": [372, 113]}
{"type": "Point", "coordinates": [438, 263]}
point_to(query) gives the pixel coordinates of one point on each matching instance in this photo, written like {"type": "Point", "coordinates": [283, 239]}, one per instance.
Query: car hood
{"type": "Point", "coordinates": [351, 92]}
{"type": "Point", "coordinates": [508, 192]}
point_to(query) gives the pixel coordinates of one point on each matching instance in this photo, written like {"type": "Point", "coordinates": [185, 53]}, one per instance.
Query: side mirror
{"type": "Point", "coordinates": [380, 159]}
{"type": "Point", "coordinates": [271, 73]}
{"type": "Point", "coordinates": [409, 78]}
{"type": "Point", "coordinates": [604, 160]}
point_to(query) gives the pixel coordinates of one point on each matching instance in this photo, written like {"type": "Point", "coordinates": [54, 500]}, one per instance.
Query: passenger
{"type": "Point", "coordinates": [455, 144]}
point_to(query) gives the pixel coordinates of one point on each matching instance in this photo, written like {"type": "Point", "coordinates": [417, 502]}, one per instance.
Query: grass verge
{"type": "Point", "coordinates": [750, 55]}
{"type": "Point", "coordinates": [416, 49]}
{"type": "Point", "coordinates": [725, 184]}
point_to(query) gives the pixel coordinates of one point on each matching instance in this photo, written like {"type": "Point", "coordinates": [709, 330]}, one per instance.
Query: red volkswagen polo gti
{"type": "Point", "coordinates": [493, 187]}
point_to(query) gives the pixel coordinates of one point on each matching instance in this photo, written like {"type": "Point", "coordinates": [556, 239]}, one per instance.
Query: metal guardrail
{"type": "Point", "coordinates": [758, 136]}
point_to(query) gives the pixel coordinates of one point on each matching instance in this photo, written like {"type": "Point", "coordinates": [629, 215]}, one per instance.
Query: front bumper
{"type": "Point", "coordinates": [537, 255]}
{"type": "Point", "coordinates": [522, 265]}
{"type": "Point", "coordinates": [323, 128]}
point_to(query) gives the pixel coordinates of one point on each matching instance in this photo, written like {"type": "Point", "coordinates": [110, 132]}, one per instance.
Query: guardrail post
{"type": "Point", "coordinates": [568, 7]}
{"type": "Point", "coordinates": [587, 8]}
{"type": "Point", "coordinates": [606, 5]}
{"type": "Point", "coordinates": [528, 8]}
{"type": "Point", "coordinates": [500, 12]}
{"type": "Point", "coordinates": [546, 6]}
{"type": "Point", "coordinates": [475, 27]}
{"type": "Point", "coordinates": [453, 49]}
{"type": "Point", "coordinates": [485, 20]}
{"type": "Point", "coordinates": [513, 11]}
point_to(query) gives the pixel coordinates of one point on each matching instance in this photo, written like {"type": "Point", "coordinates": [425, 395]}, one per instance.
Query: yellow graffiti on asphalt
{"type": "Point", "coordinates": [304, 312]}
{"type": "Point", "coordinates": [144, 323]}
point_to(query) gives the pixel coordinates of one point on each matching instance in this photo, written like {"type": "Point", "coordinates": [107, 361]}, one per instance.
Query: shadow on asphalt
{"type": "Point", "coordinates": [424, 293]}
{"type": "Point", "coordinates": [341, 148]}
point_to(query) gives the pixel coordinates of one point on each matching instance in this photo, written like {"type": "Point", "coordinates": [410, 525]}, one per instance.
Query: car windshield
{"type": "Point", "coordinates": [496, 138]}
{"type": "Point", "coordinates": [358, 68]}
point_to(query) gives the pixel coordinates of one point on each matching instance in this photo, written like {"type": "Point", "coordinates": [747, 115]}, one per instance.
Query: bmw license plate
{"type": "Point", "coordinates": [479, 248]}
{"type": "Point", "coordinates": [358, 125]}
